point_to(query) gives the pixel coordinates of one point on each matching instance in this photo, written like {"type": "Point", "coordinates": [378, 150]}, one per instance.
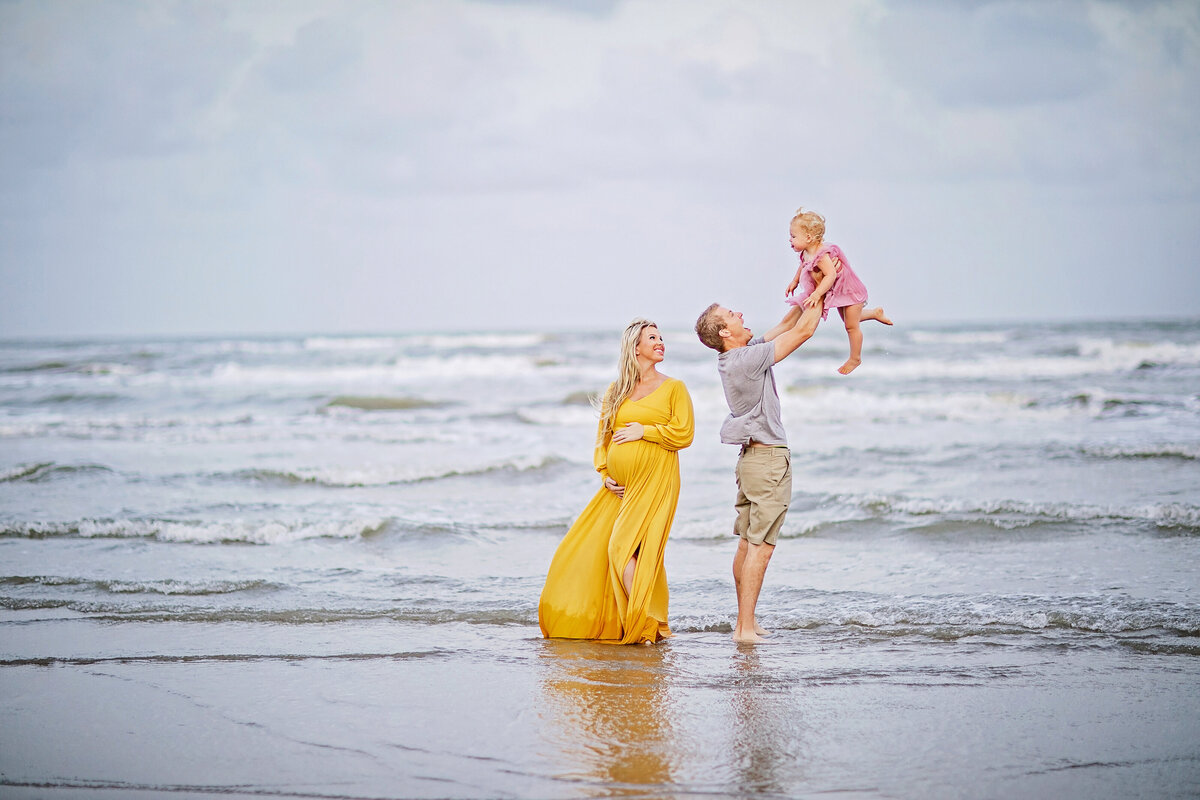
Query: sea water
{"type": "Point", "coordinates": [310, 565]}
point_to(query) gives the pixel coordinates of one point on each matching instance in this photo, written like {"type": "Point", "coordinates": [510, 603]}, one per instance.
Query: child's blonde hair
{"type": "Point", "coordinates": [810, 222]}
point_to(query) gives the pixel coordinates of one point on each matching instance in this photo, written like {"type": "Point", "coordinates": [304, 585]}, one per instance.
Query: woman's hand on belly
{"type": "Point", "coordinates": [630, 433]}
{"type": "Point", "coordinates": [614, 487]}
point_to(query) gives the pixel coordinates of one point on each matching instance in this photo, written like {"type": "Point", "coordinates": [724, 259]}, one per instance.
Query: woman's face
{"type": "Point", "coordinates": [650, 346]}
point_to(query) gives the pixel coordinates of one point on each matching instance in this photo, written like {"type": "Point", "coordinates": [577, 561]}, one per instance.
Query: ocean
{"type": "Point", "coordinates": [309, 566]}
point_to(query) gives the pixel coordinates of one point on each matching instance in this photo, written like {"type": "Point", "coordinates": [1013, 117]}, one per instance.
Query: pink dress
{"type": "Point", "coordinates": [847, 289]}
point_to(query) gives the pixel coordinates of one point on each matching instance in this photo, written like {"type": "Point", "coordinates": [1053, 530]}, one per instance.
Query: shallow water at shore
{"type": "Point", "coordinates": [309, 567]}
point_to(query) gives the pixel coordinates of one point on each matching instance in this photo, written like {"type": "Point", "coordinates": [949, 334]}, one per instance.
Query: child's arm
{"type": "Point", "coordinates": [828, 276]}
{"type": "Point", "coordinates": [795, 282]}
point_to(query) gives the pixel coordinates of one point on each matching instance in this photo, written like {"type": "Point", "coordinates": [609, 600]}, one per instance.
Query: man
{"type": "Point", "coordinates": [764, 468]}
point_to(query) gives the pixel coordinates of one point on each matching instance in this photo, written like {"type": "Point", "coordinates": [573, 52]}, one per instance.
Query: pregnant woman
{"type": "Point", "coordinates": [607, 580]}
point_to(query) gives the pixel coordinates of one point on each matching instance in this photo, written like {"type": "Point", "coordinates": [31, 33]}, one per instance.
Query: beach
{"type": "Point", "coordinates": [309, 566]}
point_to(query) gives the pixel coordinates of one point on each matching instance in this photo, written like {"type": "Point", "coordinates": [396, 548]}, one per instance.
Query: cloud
{"type": "Point", "coordinates": [109, 79]}
{"type": "Point", "coordinates": [1002, 54]}
{"type": "Point", "coordinates": [334, 156]}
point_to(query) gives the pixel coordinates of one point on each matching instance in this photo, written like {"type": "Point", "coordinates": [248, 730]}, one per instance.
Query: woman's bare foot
{"type": "Point", "coordinates": [760, 630]}
{"type": "Point", "coordinates": [877, 315]}
{"type": "Point", "coordinates": [849, 366]}
{"type": "Point", "coordinates": [747, 638]}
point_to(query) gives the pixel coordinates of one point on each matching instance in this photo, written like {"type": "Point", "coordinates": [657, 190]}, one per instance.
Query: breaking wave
{"type": "Point", "coordinates": [196, 532]}
{"type": "Point", "coordinates": [396, 474]}
{"type": "Point", "coordinates": [36, 473]}
{"type": "Point", "coordinates": [167, 586]}
{"type": "Point", "coordinates": [1017, 513]}
{"type": "Point", "coordinates": [958, 616]}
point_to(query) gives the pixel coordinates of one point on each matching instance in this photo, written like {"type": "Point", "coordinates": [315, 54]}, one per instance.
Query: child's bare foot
{"type": "Point", "coordinates": [877, 314]}
{"type": "Point", "coordinates": [849, 366]}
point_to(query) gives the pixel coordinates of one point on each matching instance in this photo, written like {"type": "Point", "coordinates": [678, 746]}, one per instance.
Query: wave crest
{"type": "Point", "coordinates": [167, 586]}
{"type": "Point", "coordinates": [1019, 513]}
{"type": "Point", "coordinates": [36, 473]}
{"type": "Point", "coordinates": [263, 532]}
{"type": "Point", "coordinates": [958, 616]}
{"type": "Point", "coordinates": [397, 474]}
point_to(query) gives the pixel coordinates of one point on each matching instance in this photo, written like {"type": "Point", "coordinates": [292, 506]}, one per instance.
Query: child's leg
{"type": "Point", "coordinates": [876, 314]}
{"type": "Point", "coordinates": [850, 316]}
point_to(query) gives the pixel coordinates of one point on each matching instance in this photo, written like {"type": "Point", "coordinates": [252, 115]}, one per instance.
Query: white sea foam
{"type": "Point", "coordinates": [1096, 357]}
{"type": "Point", "coordinates": [1019, 513]}
{"type": "Point", "coordinates": [322, 343]}
{"type": "Point", "coordinates": [249, 346]}
{"type": "Point", "coordinates": [965, 615]}
{"type": "Point", "coordinates": [389, 473]}
{"type": "Point", "coordinates": [481, 341]}
{"type": "Point", "coordinates": [854, 405]}
{"type": "Point", "coordinates": [171, 586]}
{"type": "Point", "coordinates": [402, 370]}
{"type": "Point", "coordinates": [183, 428]}
{"type": "Point", "coordinates": [567, 415]}
{"type": "Point", "coordinates": [1131, 354]}
{"type": "Point", "coordinates": [960, 337]}
{"type": "Point", "coordinates": [215, 532]}
{"type": "Point", "coordinates": [720, 527]}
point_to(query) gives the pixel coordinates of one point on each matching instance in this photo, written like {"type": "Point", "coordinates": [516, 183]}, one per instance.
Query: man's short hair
{"type": "Point", "coordinates": [708, 328]}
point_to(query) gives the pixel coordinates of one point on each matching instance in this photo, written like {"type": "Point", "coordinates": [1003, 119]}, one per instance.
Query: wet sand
{"type": "Point", "coordinates": [400, 710]}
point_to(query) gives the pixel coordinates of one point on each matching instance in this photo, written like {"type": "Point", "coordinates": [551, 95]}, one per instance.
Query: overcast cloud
{"type": "Point", "coordinates": [247, 167]}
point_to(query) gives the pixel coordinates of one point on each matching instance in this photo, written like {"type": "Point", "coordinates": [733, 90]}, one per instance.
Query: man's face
{"type": "Point", "coordinates": [732, 321]}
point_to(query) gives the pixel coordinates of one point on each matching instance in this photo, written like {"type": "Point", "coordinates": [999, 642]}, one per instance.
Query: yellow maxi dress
{"type": "Point", "coordinates": [584, 597]}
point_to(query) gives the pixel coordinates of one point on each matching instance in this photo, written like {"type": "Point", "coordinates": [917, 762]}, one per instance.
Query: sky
{"type": "Point", "coordinates": [254, 167]}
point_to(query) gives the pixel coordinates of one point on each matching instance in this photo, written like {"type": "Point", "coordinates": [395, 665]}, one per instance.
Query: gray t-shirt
{"type": "Point", "coordinates": [749, 385]}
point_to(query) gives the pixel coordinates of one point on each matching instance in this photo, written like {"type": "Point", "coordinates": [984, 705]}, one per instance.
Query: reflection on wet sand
{"type": "Point", "coordinates": [638, 721]}
{"type": "Point", "coordinates": [608, 714]}
{"type": "Point", "coordinates": [767, 727]}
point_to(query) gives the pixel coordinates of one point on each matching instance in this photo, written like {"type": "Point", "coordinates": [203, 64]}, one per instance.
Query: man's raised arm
{"type": "Point", "coordinates": [786, 324]}
{"type": "Point", "coordinates": [805, 326]}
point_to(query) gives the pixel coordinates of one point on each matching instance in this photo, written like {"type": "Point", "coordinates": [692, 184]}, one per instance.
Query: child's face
{"type": "Point", "coordinates": [800, 238]}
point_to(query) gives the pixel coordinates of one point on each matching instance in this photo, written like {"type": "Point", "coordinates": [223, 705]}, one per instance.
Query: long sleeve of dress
{"type": "Point", "coordinates": [600, 455]}
{"type": "Point", "coordinates": [678, 432]}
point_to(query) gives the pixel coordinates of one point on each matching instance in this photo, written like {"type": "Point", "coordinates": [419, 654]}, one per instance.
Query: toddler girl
{"type": "Point", "coordinates": [825, 276]}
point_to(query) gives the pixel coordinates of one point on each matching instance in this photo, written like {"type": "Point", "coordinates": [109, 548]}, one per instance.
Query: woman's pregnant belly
{"type": "Point", "coordinates": [625, 460]}
{"type": "Point", "coordinates": [633, 463]}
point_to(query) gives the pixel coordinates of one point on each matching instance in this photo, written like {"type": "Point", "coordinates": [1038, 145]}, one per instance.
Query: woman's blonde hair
{"type": "Point", "coordinates": [810, 222]}
{"type": "Point", "coordinates": [627, 377]}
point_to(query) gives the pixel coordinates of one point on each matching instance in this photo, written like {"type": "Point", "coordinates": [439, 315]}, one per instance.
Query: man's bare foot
{"type": "Point", "coordinates": [877, 315]}
{"type": "Point", "coordinates": [747, 638]}
{"type": "Point", "coordinates": [849, 366]}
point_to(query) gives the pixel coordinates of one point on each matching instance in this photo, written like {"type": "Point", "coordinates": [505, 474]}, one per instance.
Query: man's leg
{"type": "Point", "coordinates": [764, 493]}
{"type": "Point", "coordinates": [749, 565]}
{"type": "Point", "coordinates": [739, 558]}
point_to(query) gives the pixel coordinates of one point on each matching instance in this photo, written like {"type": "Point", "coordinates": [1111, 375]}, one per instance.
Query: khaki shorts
{"type": "Point", "coordinates": [764, 480]}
